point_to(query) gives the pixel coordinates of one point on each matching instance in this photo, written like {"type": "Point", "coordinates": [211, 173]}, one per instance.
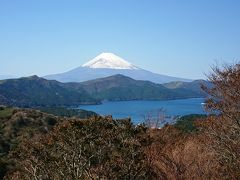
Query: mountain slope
{"type": "Point", "coordinates": [108, 64]}
{"type": "Point", "coordinates": [109, 60]}
{"type": "Point", "coordinates": [119, 87]}
{"type": "Point", "coordinates": [34, 91]}
{"type": "Point", "coordinates": [194, 86]}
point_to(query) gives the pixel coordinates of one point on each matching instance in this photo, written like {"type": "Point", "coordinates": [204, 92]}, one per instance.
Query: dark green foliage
{"type": "Point", "coordinates": [3, 168]}
{"type": "Point", "coordinates": [38, 92]}
{"type": "Point", "coordinates": [186, 123]}
{"type": "Point", "coordinates": [34, 91]}
{"type": "Point", "coordinates": [120, 87]}
{"type": "Point", "coordinates": [6, 112]}
{"type": "Point", "coordinates": [194, 87]}
{"type": "Point", "coordinates": [61, 111]}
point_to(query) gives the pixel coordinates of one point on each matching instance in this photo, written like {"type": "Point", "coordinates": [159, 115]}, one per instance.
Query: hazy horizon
{"type": "Point", "coordinates": [181, 39]}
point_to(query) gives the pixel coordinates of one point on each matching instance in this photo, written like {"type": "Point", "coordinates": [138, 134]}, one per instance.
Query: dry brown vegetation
{"type": "Point", "coordinates": [97, 148]}
{"type": "Point", "coordinates": [224, 129]}
{"type": "Point", "coordinates": [213, 152]}
{"type": "Point", "coordinates": [177, 155]}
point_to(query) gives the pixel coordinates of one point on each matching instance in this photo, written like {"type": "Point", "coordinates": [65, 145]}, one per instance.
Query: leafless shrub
{"type": "Point", "coordinates": [224, 128]}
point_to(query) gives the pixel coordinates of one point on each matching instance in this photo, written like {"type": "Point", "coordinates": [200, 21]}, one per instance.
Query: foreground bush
{"type": "Point", "coordinates": [98, 148]}
{"type": "Point", "coordinates": [223, 130]}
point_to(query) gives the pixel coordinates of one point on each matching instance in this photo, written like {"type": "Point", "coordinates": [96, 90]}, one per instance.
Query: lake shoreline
{"type": "Point", "coordinates": [137, 109]}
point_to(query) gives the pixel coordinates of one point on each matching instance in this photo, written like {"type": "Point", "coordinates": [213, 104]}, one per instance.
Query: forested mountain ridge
{"type": "Point", "coordinates": [119, 87]}
{"type": "Point", "coordinates": [34, 91]}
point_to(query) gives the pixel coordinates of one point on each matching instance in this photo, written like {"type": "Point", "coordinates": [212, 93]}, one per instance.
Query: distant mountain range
{"type": "Point", "coordinates": [35, 91]}
{"type": "Point", "coordinates": [119, 87]}
{"type": "Point", "coordinates": [109, 64]}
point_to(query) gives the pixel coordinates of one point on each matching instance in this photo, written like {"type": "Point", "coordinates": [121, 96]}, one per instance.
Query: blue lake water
{"type": "Point", "coordinates": [136, 110]}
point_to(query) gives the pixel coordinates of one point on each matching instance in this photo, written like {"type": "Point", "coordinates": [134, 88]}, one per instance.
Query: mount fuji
{"type": "Point", "coordinates": [109, 64]}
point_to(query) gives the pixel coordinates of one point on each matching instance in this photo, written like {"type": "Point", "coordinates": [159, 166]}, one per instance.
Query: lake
{"type": "Point", "coordinates": [136, 110]}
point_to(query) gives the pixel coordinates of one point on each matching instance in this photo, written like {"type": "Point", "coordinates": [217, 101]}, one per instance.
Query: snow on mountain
{"type": "Point", "coordinates": [109, 60]}
{"type": "Point", "coordinates": [109, 64]}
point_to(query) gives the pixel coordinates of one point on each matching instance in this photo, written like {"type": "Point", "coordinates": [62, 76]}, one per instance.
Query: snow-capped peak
{"type": "Point", "coordinates": [110, 61]}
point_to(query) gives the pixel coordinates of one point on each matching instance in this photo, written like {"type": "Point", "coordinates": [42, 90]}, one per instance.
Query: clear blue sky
{"type": "Point", "coordinates": [178, 38]}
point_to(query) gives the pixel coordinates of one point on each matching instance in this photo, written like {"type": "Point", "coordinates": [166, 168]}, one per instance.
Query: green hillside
{"type": "Point", "coordinates": [34, 91]}
{"type": "Point", "coordinates": [38, 92]}
{"type": "Point", "coordinates": [120, 87]}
